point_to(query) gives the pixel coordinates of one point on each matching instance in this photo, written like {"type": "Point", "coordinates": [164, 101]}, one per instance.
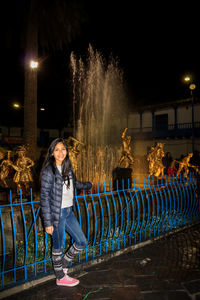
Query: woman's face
{"type": "Point", "coordinates": [59, 153]}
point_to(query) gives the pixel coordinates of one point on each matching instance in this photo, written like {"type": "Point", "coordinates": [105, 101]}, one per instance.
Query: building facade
{"type": "Point", "coordinates": [175, 124]}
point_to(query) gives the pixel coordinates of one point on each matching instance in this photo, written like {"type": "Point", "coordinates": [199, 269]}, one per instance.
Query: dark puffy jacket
{"type": "Point", "coordinates": [51, 195]}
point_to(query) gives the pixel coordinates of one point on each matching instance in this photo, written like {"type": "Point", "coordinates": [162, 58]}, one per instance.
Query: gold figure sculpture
{"type": "Point", "coordinates": [154, 157]}
{"type": "Point", "coordinates": [73, 146]}
{"type": "Point", "coordinates": [5, 168]}
{"type": "Point", "coordinates": [184, 165]}
{"type": "Point", "coordinates": [126, 151]}
{"type": "Point", "coordinates": [22, 166]}
{"type": "Point", "coordinates": [1, 155]}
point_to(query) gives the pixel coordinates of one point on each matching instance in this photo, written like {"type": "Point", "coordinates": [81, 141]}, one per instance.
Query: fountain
{"type": "Point", "coordinates": [100, 103]}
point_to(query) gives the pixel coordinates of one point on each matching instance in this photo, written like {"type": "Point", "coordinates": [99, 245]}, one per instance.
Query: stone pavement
{"type": "Point", "coordinates": [167, 268]}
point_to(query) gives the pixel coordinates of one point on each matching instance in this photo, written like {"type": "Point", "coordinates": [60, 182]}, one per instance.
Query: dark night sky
{"type": "Point", "coordinates": [156, 45]}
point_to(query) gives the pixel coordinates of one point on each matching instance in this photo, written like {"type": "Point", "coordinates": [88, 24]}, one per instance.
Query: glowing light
{"type": "Point", "coordinates": [33, 64]}
{"type": "Point", "coordinates": [192, 86]}
{"type": "Point", "coordinates": [16, 105]}
{"type": "Point", "coordinates": [42, 108]}
{"type": "Point", "coordinates": [187, 78]}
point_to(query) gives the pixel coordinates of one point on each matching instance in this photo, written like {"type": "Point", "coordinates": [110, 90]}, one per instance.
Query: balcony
{"type": "Point", "coordinates": [178, 130]}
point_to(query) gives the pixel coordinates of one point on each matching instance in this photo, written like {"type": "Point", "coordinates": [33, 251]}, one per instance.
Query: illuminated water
{"type": "Point", "coordinates": [100, 103]}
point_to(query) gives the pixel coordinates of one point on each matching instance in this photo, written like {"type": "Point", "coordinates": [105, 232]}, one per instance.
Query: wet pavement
{"type": "Point", "coordinates": [167, 268]}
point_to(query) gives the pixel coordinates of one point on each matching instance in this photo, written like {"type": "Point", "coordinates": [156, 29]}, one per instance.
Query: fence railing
{"type": "Point", "coordinates": [111, 220]}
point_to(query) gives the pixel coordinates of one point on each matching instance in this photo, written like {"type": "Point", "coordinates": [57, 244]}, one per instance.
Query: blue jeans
{"type": "Point", "coordinates": [68, 223]}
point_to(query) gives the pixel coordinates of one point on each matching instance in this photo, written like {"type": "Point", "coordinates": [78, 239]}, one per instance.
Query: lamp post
{"type": "Point", "coordinates": [30, 105]}
{"type": "Point", "coordinates": [192, 87]}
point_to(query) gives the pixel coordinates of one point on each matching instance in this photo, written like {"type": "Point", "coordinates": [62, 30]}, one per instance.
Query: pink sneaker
{"type": "Point", "coordinates": [67, 281]}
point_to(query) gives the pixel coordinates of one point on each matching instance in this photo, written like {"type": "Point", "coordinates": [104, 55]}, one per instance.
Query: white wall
{"type": "Point", "coordinates": [184, 114]}
{"type": "Point", "coordinates": [134, 120]}
{"type": "Point", "coordinates": [197, 113]}
{"type": "Point", "coordinates": [147, 119]}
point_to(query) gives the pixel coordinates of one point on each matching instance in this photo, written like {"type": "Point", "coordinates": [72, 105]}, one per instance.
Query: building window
{"type": "Point", "coordinates": [161, 122]}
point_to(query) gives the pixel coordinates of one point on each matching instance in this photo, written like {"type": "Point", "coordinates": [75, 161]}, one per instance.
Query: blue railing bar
{"type": "Point", "coordinates": [196, 205]}
{"type": "Point", "coordinates": [138, 217]}
{"type": "Point", "coordinates": [121, 213]}
{"type": "Point", "coordinates": [143, 210]}
{"type": "Point", "coordinates": [174, 198]}
{"type": "Point", "coordinates": [162, 208]}
{"type": "Point", "coordinates": [153, 206]}
{"type": "Point", "coordinates": [3, 248]}
{"type": "Point", "coordinates": [88, 222]}
{"type": "Point", "coordinates": [177, 197]}
{"type": "Point", "coordinates": [109, 215]}
{"type": "Point", "coordinates": [186, 188]}
{"type": "Point", "coordinates": [45, 252]}
{"type": "Point", "coordinates": [157, 201]}
{"type": "Point", "coordinates": [180, 219]}
{"type": "Point", "coordinates": [169, 207]}
{"type": "Point", "coordinates": [148, 209]}
{"type": "Point", "coordinates": [191, 202]}
{"type": "Point", "coordinates": [25, 236]}
{"type": "Point", "coordinates": [34, 223]}
{"type": "Point", "coordinates": [115, 210]}
{"type": "Point", "coordinates": [185, 200]}
{"type": "Point", "coordinates": [127, 209]}
{"type": "Point", "coordinates": [14, 235]}
{"type": "Point", "coordinates": [17, 204]}
{"type": "Point", "coordinates": [36, 215]}
{"type": "Point", "coordinates": [132, 226]}
{"type": "Point", "coordinates": [102, 214]}
{"type": "Point", "coordinates": [95, 217]}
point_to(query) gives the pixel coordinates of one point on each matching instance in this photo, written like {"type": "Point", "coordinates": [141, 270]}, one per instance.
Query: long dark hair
{"type": "Point", "coordinates": [50, 161]}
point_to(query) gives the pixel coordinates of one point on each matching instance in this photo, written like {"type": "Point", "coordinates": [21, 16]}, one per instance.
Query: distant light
{"type": "Point", "coordinates": [42, 108]}
{"type": "Point", "coordinates": [192, 86]}
{"type": "Point", "coordinates": [187, 78]}
{"type": "Point", "coordinates": [16, 105]}
{"type": "Point", "coordinates": [33, 64]}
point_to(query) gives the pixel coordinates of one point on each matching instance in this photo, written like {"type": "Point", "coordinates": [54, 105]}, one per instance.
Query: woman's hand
{"type": "Point", "coordinates": [49, 230]}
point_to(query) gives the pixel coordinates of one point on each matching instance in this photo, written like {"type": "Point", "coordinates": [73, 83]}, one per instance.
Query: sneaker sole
{"type": "Point", "coordinates": [69, 285]}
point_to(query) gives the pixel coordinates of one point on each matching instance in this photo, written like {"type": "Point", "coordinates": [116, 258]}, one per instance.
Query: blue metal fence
{"type": "Point", "coordinates": [111, 220]}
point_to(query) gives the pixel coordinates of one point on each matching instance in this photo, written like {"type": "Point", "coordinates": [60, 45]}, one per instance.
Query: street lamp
{"type": "Point", "coordinates": [33, 64]}
{"type": "Point", "coordinates": [16, 105]}
{"type": "Point", "coordinates": [192, 87]}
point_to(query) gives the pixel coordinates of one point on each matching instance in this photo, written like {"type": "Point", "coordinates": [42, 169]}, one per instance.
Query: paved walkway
{"type": "Point", "coordinates": [167, 268]}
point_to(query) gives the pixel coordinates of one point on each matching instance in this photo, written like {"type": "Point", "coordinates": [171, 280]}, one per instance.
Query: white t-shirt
{"type": "Point", "coordinates": [67, 194]}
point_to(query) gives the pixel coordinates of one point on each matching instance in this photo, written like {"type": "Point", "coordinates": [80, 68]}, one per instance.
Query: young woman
{"type": "Point", "coordinates": [57, 203]}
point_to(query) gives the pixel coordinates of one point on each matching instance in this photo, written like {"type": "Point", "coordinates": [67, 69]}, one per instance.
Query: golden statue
{"type": "Point", "coordinates": [73, 146]}
{"type": "Point", "coordinates": [1, 155]}
{"type": "Point", "coordinates": [126, 150]}
{"type": "Point", "coordinates": [184, 164]}
{"type": "Point", "coordinates": [156, 167]}
{"type": "Point", "coordinates": [5, 168]}
{"type": "Point", "coordinates": [22, 166]}
{"type": "Point", "coordinates": [151, 157]}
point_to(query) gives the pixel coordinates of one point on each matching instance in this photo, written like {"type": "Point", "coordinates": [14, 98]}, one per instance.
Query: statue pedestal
{"type": "Point", "coordinates": [4, 195]}
{"type": "Point", "coordinates": [120, 175]}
